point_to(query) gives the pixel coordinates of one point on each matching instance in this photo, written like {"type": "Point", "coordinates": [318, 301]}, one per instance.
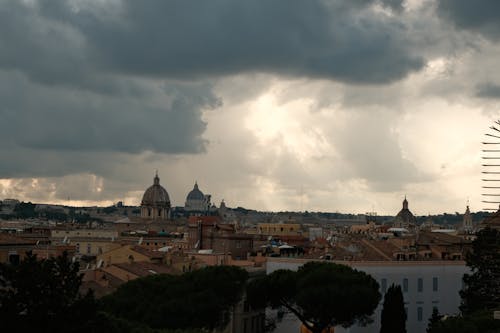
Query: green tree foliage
{"type": "Point", "coordinates": [482, 287]}
{"type": "Point", "coordinates": [25, 210]}
{"type": "Point", "coordinates": [319, 294]}
{"type": "Point", "coordinates": [194, 300]}
{"type": "Point", "coordinates": [478, 322]}
{"type": "Point", "coordinates": [393, 319]}
{"type": "Point", "coordinates": [109, 210]}
{"type": "Point", "coordinates": [43, 296]}
{"type": "Point", "coordinates": [434, 319]}
{"type": "Point", "coordinates": [481, 293]}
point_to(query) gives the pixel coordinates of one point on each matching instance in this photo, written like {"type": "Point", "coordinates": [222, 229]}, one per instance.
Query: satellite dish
{"type": "Point", "coordinates": [140, 241]}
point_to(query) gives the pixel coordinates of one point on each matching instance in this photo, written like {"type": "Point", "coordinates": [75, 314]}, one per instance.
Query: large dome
{"type": "Point", "coordinates": [155, 195]}
{"type": "Point", "coordinates": [195, 194]}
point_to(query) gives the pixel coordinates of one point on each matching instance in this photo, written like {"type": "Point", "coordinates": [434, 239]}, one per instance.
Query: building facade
{"type": "Point", "coordinates": [425, 285]}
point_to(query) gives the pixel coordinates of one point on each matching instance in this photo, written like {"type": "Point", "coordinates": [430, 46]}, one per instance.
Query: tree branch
{"type": "Point", "coordinates": [298, 314]}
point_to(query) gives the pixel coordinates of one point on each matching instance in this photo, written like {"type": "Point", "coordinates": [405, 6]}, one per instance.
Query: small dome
{"type": "Point", "coordinates": [155, 195]}
{"type": "Point", "coordinates": [195, 194]}
{"type": "Point", "coordinates": [405, 215]}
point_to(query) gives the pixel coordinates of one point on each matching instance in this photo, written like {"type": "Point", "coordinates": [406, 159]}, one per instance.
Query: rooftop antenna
{"type": "Point", "coordinates": [491, 170]}
{"type": "Point", "coordinates": [301, 196]}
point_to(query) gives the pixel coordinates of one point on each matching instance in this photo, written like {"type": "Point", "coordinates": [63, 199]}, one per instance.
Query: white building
{"type": "Point", "coordinates": [425, 284]}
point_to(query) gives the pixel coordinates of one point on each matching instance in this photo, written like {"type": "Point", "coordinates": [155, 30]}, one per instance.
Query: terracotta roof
{"type": "Point", "coordinates": [146, 252]}
{"type": "Point", "coordinates": [6, 239]}
{"type": "Point", "coordinates": [205, 220]}
{"type": "Point", "coordinates": [142, 269]}
{"type": "Point", "coordinates": [426, 237]}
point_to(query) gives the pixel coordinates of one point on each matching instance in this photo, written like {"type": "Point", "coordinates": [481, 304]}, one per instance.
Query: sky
{"type": "Point", "coordinates": [338, 106]}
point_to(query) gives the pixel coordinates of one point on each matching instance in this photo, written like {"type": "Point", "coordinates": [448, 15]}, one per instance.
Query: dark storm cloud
{"type": "Point", "coordinates": [83, 80]}
{"type": "Point", "coordinates": [481, 16]}
{"type": "Point", "coordinates": [192, 38]}
{"type": "Point", "coordinates": [488, 90]}
{"type": "Point", "coordinates": [396, 5]}
{"type": "Point", "coordinates": [67, 119]}
{"type": "Point", "coordinates": [344, 41]}
{"type": "Point", "coordinates": [45, 50]}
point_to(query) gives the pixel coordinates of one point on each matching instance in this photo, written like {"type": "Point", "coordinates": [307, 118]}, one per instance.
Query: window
{"type": "Point", "coordinates": [434, 284]}
{"type": "Point", "coordinates": [14, 259]}
{"type": "Point", "coordinates": [89, 248]}
{"type": "Point", "coordinates": [383, 286]}
{"type": "Point", "coordinates": [419, 313]}
{"type": "Point", "coordinates": [420, 285]}
{"type": "Point", "coordinates": [405, 285]}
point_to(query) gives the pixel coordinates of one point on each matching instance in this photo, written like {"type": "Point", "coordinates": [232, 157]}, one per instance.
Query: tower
{"type": "Point", "coordinates": [467, 221]}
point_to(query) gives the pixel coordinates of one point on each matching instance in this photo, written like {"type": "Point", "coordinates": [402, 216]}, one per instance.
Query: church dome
{"type": "Point", "coordinates": [195, 194]}
{"type": "Point", "coordinates": [405, 217]}
{"type": "Point", "coordinates": [155, 195]}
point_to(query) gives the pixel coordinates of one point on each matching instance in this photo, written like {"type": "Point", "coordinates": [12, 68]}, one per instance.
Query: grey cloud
{"type": "Point", "coordinates": [488, 90]}
{"type": "Point", "coordinates": [46, 118]}
{"type": "Point", "coordinates": [344, 41]}
{"type": "Point", "coordinates": [45, 50]}
{"type": "Point", "coordinates": [374, 154]}
{"type": "Point", "coordinates": [396, 5]}
{"type": "Point", "coordinates": [224, 37]}
{"type": "Point", "coordinates": [61, 188]}
{"type": "Point", "coordinates": [479, 16]}
{"type": "Point", "coordinates": [25, 163]}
